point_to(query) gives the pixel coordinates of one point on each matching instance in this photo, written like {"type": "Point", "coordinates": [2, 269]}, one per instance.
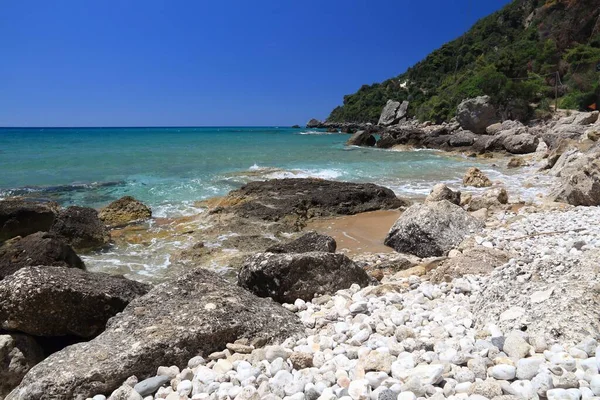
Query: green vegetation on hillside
{"type": "Point", "coordinates": [513, 56]}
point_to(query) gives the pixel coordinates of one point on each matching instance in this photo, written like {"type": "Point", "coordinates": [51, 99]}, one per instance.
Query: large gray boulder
{"type": "Point", "coordinates": [81, 228]}
{"type": "Point", "coordinates": [18, 354]}
{"type": "Point", "coordinates": [431, 229]}
{"type": "Point", "coordinates": [523, 143]}
{"type": "Point", "coordinates": [40, 248]}
{"type": "Point", "coordinates": [287, 277]}
{"type": "Point", "coordinates": [393, 112]}
{"type": "Point", "coordinates": [476, 114]}
{"type": "Point", "coordinates": [311, 241]}
{"type": "Point", "coordinates": [442, 192]}
{"type": "Point", "coordinates": [197, 313]}
{"type": "Point", "coordinates": [57, 301]}
{"type": "Point", "coordinates": [362, 138]}
{"type": "Point", "coordinates": [19, 217]}
{"type": "Point", "coordinates": [580, 179]}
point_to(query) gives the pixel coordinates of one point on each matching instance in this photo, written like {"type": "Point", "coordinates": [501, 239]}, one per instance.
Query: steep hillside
{"type": "Point", "coordinates": [512, 55]}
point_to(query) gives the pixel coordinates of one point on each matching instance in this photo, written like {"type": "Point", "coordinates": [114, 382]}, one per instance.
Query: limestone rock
{"type": "Point", "coordinates": [521, 144]}
{"type": "Point", "coordinates": [393, 112]}
{"type": "Point", "coordinates": [474, 177]}
{"type": "Point", "coordinates": [431, 229]}
{"type": "Point", "coordinates": [580, 182]}
{"type": "Point", "coordinates": [443, 192]}
{"type": "Point", "coordinates": [81, 228]}
{"type": "Point", "coordinates": [314, 123]}
{"type": "Point", "coordinates": [476, 114]}
{"type": "Point", "coordinates": [362, 138]}
{"type": "Point", "coordinates": [19, 217]}
{"type": "Point", "coordinates": [124, 211]}
{"type": "Point", "coordinates": [311, 241]}
{"type": "Point", "coordinates": [491, 198]}
{"type": "Point", "coordinates": [18, 354]}
{"type": "Point", "coordinates": [287, 277]}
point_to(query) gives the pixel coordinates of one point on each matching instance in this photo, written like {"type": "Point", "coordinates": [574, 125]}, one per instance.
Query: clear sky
{"type": "Point", "coordinates": [201, 62]}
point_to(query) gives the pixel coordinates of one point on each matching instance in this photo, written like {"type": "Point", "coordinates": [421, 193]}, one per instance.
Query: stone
{"type": "Point", "coordinates": [151, 385]}
{"type": "Point", "coordinates": [523, 143]}
{"type": "Point", "coordinates": [502, 372]}
{"type": "Point", "coordinates": [196, 313]}
{"type": "Point", "coordinates": [427, 374]}
{"type": "Point", "coordinates": [378, 361]}
{"type": "Point", "coordinates": [393, 112]}
{"type": "Point", "coordinates": [516, 346]}
{"type": "Point", "coordinates": [125, 392]}
{"type": "Point", "coordinates": [301, 360]}
{"type": "Point", "coordinates": [476, 114]}
{"type": "Point", "coordinates": [124, 211]}
{"type": "Point", "coordinates": [359, 389]}
{"type": "Point", "coordinates": [40, 248]}
{"type": "Point", "coordinates": [431, 229]}
{"type": "Point", "coordinates": [490, 199]}
{"type": "Point", "coordinates": [18, 354]}
{"type": "Point", "coordinates": [595, 385]}
{"type": "Point", "coordinates": [462, 139]}
{"type": "Point", "coordinates": [81, 228]}
{"type": "Point", "coordinates": [443, 192]}
{"type": "Point", "coordinates": [488, 388]}
{"type": "Point", "coordinates": [474, 177]}
{"type": "Point", "coordinates": [527, 368]}
{"type": "Point", "coordinates": [362, 138]}
{"type": "Point", "coordinates": [287, 277]}
{"type": "Point", "coordinates": [21, 217]}
{"type": "Point", "coordinates": [314, 123]}
{"type": "Point", "coordinates": [515, 162]}
{"type": "Point", "coordinates": [311, 241]}
{"type": "Point", "coordinates": [580, 182]}
{"type": "Point", "coordinates": [58, 301]}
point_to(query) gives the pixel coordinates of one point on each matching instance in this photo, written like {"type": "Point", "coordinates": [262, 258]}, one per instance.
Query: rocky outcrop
{"type": "Point", "coordinates": [476, 114]}
{"type": "Point", "coordinates": [362, 138]}
{"type": "Point", "coordinates": [474, 177]}
{"type": "Point", "coordinates": [287, 277]}
{"type": "Point", "coordinates": [311, 241]}
{"type": "Point", "coordinates": [569, 127]}
{"type": "Point", "coordinates": [523, 143]}
{"type": "Point", "coordinates": [580, 180]}
{"type": "Point", "coordinates": [462, 139]}
{"type": "Point", "coordinates": [18, 354]}
{"type": "Point", "coordinates": [431, 229]}
{"type": "Point", "coordinates": [19, 217]}
{"type": "Point", "coordinates": [314, 123]}
{"type": "Point", "coordinates": [81, 228]}
{"type": "Point", "coordinates": [124, 211]}
{"type": "Point", "coordinates": [40, 248]}
{"type": "Point", "coordinates": [57, 301]}
{"type": "Point", "coordinates": [401, 135]}
{"type": "Point", "coordinates": [197, 313]}
{"type": "Point", "coordinates": [393, 112]}
{"type": "Point", "coordinates": [442, 192]}
{"type": "Point", "coordinates": [297, 200]}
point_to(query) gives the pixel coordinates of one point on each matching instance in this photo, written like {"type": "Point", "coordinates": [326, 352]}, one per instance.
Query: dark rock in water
{"type": "Point", "coordinates": [297, 200]}
{"type": "Point", "coordinates": [332, 129]}
{"type": "Point", "coordinates": [20, 217]}
{"type": "Point", "coordinates": [431, 229]}
{"type": "Point", "coordinates": [401, 136]}
{"type": "Point", "coordinates": [18, 354]}
{"type": "Point", "coordinates": [311, 241]}
{"type": "Point", "coordinates": [124, 211]}
{"type": "Point", "coordinates": [287, 277]}
{"type": "Point", "coordinates": [295, 126]}
{"type": "Point", "coordinates": [81, 228]}
{"type": "Point", "coordinates": [474, 177]}
{"type": "Point", "coordinates": [476, 114]}
{"type": "Point", "coordinates": [362, 138]}
{"type": "Point", "coordinates": [314, 123]}
{"type": "Point", "coordinates": [40, 248]}
{"type": "Point", "coordinates": [151, 385]}
{"type": "Point", "coordinates": [197, 313]}
{"type": "Point", "coordinates": [57, 301]}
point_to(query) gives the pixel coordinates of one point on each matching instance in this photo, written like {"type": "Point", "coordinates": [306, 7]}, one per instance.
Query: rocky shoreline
{"type": "Point", "coordinates": [484, 297]}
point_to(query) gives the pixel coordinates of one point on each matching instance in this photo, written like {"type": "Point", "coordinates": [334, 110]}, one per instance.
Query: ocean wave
{"type": "Point", "coordinates": [316, 133]}
{"type": "Point", "coordinates": [257, 172]}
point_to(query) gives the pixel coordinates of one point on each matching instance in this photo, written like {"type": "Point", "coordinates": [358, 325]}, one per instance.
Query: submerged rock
{"type": "Point", "coordinates": [287, 277]}
{"type": "Point", "coordinates": [476, 114]}
{"type": "Point", "coordinates": [19, 217]}
{"type": "Point", "coordinates": [81, 228]}
{"type": "Point", "coordinates": [18, 354]}
{"type": "Point", "coordinates": [124, 211]}
{"type": "Point", "coordinates": [198, 313]}
{"type": "Point", "coordinates": [57, 301]}
{"type": "Point", "coordinates": [474, 177]}
{"type": "Point", "coordinates": [308, 242]}
{"type": "Point", "coordinates": [40, 248]}
{"type": "Point", "coordinates": [362, 138]}
{"type": "Point", "coordinates": [431, 229]}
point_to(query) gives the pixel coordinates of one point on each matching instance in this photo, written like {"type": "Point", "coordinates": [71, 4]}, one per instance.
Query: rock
{"type": "Point", "coordinates": [472, 261]}
{"type": "Point", "coordinates": [287, 277]}
{"type": "Point", "coordinates": [462, 139]}
{"type": "Point", "coordinates": [476, 114]}
{"type": "Point", "coordinates": [503, 372]}
{"type": "Point", "coordinates": [443, 192]}
{"type": "Point", "coordinates": [301, 360]}
{"type": "Point", "coordinates": [314, 123]}
{"type": "Point", "coordinates": [474, 177]}
{"type": "Point", "coordinates": [527, 368]}
{"type": "Point", "coordinates": [521, 144]}
{"type": "Point", "coordinates": [490, 199]}
{"type": "Point", "coordinates": [431, 229]}
{"type": "Point", "coordinates": [494, 128]}
{"type": "Point", "coordinates": [311, 241]}
{"type": "Point", "coordinates": [362, 138]}
{"type": "Point", "coordinates": [124, 211]}
{"type": "Point", "coordinates": [393, 112]}
{"type": "Point", "coordinates": [37, 249]}
{"type": "Point", "coordinates": [515, 162]}
{"type": "Point", "coordinates": [19, 217]}
{"type": "Point", "coordinates": [57, 301]}
{"type": "Point", "coordinates": [580, 183]}
{"type": "Point", "coordinates": [150, 386]}
{"type": "Point", "coordinates": [18, 354]}
{"type": "Point", "coordinates": [81, 228]}
{"type": "Point", "coordinates": [516, 346]}
{"type": "Point", "coordinates": [427, 374]}
{"type": "Point", "coordinates": [488, 389]}
{"type": "Point", "coordinates": [302, 199]}
{"type": "Point", "coordinates": [198, 312]}
{"type": "Point", "coordinates": [125, 392]}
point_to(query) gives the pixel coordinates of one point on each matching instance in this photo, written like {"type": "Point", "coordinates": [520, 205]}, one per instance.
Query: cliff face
{"type": "Point", "coordinates": [512, 55]}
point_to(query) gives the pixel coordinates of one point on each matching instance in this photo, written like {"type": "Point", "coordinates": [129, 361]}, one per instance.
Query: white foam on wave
{"type": "Point", "coordinates": [316, 133]}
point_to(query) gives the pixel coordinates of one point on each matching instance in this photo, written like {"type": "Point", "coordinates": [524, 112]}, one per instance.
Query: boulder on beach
{"type": "Point", "coordinates": [580, 180]}
{"type": "Point", "coordinates": [287, 277]}
{"type": "Point", "coordinates": [81, 228]}
{"type": "Point", "coordinates": [58, 301]}
{"type": "Point", "coordinates": [474, 177]}
{"type": "Point", "coordinates": [311, 241]}
{"type": "Point", "coordinates": [18, 354]}
{"type": "Point", "coordinates": [523, 143]}
{"type": "Point", "coordinates": [124, 211]}
{"type": "Point", "coordinates": [362, 138]}
{"type": "Point", "coordinates": [490, 199]}
{"type": "Point", "coordinates": [20, 217]}
{"type": "Point", "coordinates": [195, 314]}
{"type": "Point", "coordinates": [442, 192]}
{"type": "Point", "coordinates": [40, 248]}
{"type": "Point", "coordinates": [476, 114]}
{"type": "Point", "coordinates": [431, 229]}
{"type": "Point", "coordinates": [296, 200]}
{"type": "Point", "coordinates": [462, 139]}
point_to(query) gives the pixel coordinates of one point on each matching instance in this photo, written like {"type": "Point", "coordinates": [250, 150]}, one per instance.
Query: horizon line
{"type": "Point", "coordinates": [152, 126]}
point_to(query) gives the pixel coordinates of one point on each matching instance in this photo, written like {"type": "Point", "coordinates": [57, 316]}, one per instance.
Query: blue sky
{"type": "Point", "coordinates": [199, 62]}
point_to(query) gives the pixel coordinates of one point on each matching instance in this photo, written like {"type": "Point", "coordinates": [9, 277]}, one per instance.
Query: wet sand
{"type": "Point", "coordinates": [359, 233]}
